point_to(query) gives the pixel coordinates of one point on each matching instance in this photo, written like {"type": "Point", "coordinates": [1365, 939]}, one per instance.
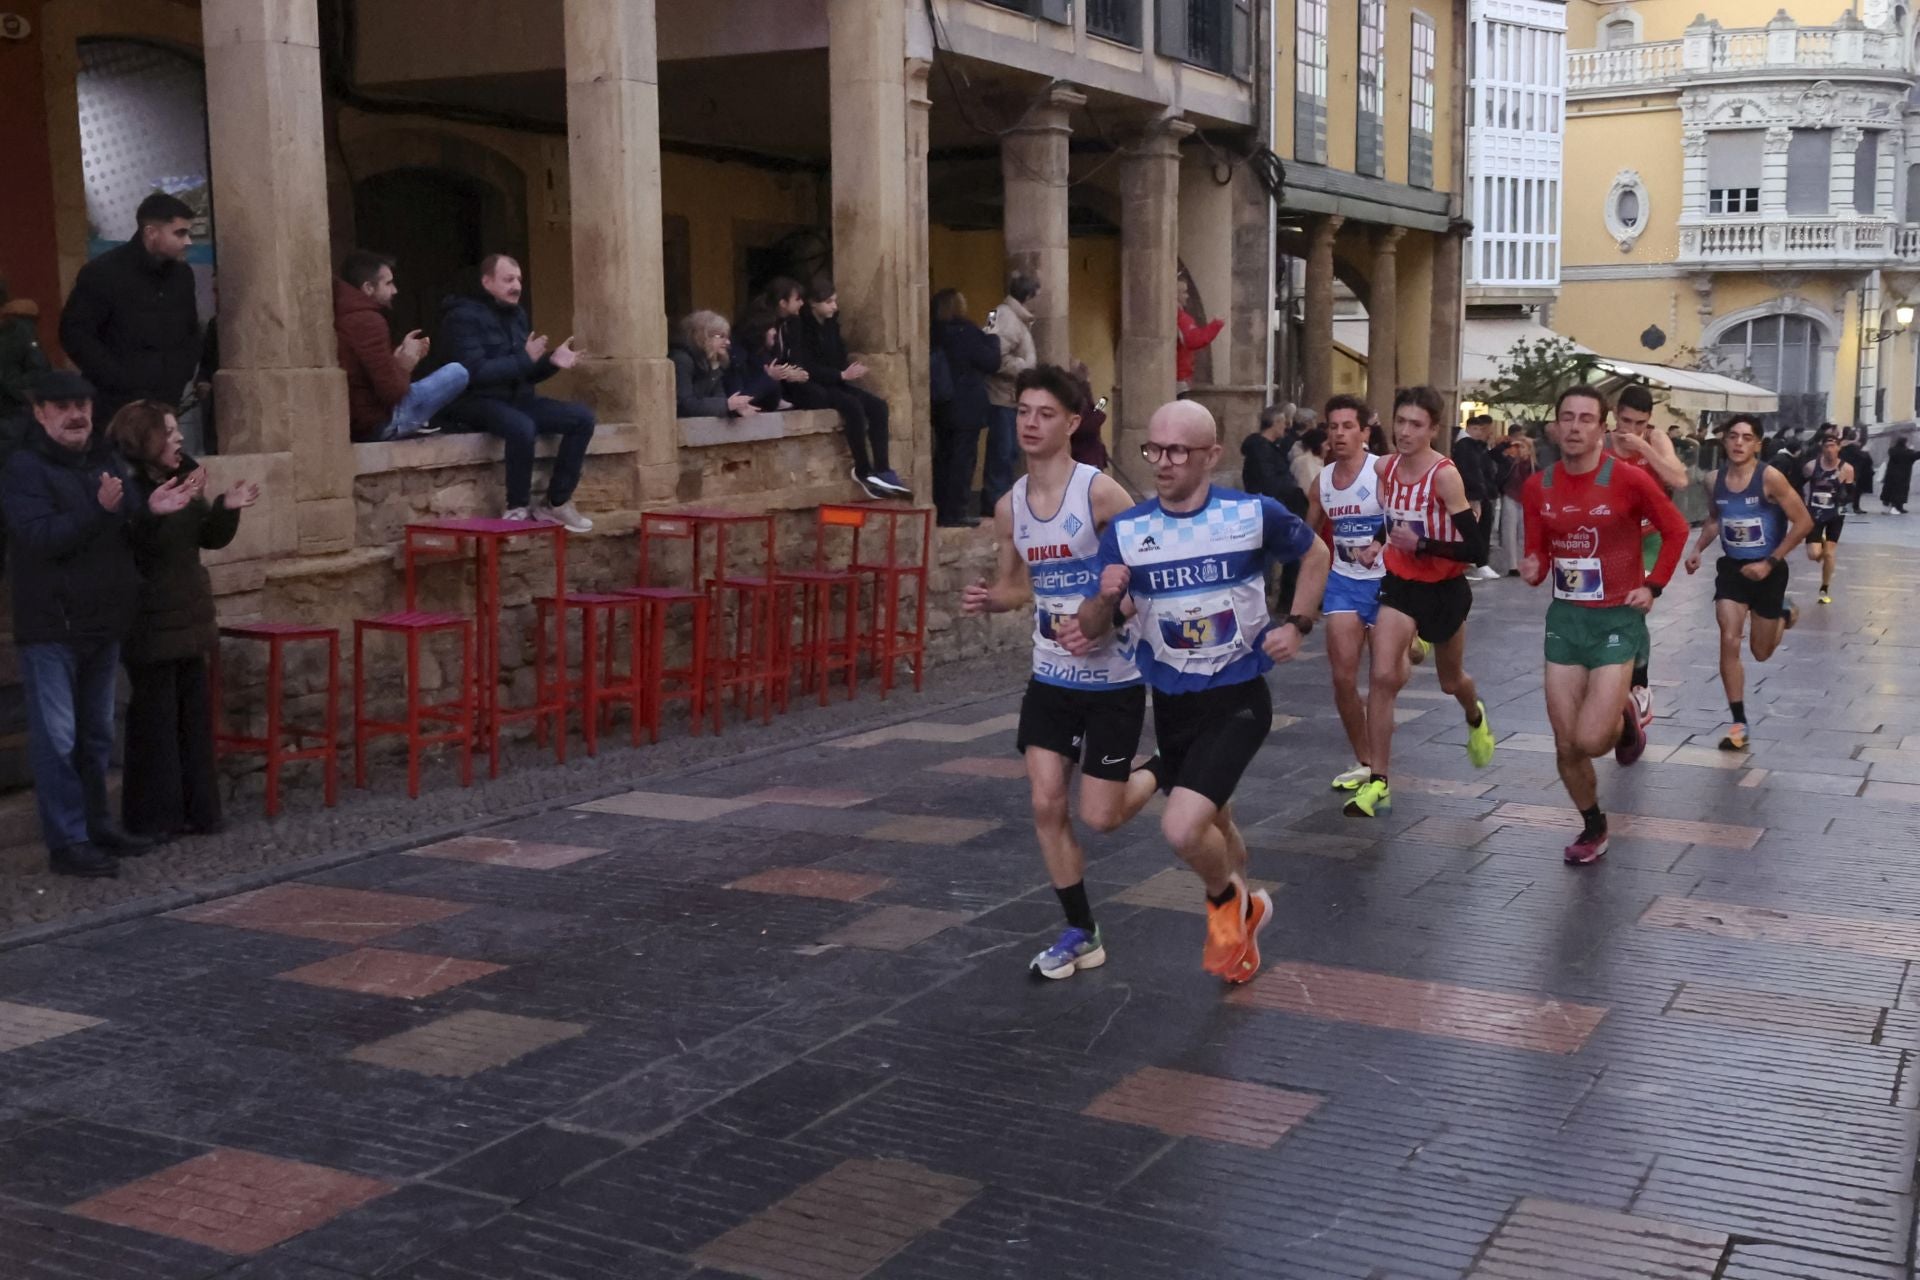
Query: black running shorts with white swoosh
{"type": "Point", "coordinates": [1098, 729]}
{"type": "Point", "coordinates": [1206, 739]}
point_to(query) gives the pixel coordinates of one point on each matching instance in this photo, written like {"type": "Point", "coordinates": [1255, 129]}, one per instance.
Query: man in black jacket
{"type": "Point", "coordinates": [131, 323]}
{"type": "Point", "coordinates": [490, 334]}
{"type": "Point", "coordinates": [75, 591]}
{"type": "Point", "coordinates": [831, 375]}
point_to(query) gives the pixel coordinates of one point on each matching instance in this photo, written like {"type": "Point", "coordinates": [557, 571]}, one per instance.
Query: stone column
{"type": "Point", "coordinates": [1149, 257]}
{"type": "Point", "coordinates": [279, 389]}
{"type": "Point", "coordinates": [1383, 333]}
{"type": "Point", "coordinates": [873, 241]}
{"type": "Point", "coordinates": [613, 168]}
{"type": "Point", "coordinates": [1318, 356]}
{"type": "Point", "coordinates": [919, 340]}
{"type": "Point", "coordinates": [1033, 170]}
{"type": "Point", "coordinates": [1443, 344]}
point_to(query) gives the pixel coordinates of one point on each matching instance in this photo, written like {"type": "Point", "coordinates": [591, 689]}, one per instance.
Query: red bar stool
{"type": "Point", "coordinates": [599, 686]}
{"type": "Point", "coordinates": [821, 652]}
{"type": "Point", "coordinates": [282, 742]}
{"type": "Point", "coordinates": [664, 684]}
{"type": "Point", "coordinates": [894, 568]}
{"type": "Point", "coordinates": [458, 712]}
{"type": "Point", "coordinates": [758, 666]}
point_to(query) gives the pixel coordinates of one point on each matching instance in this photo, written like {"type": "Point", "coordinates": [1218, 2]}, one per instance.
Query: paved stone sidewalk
{"type": "Point", "coordinates": [771, 1019]}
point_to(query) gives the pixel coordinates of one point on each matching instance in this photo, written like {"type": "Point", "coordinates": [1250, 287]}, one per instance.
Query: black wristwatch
{"type": "Point", "coordinates": [1775, 561]}
{"type": "Point", "coordinates": [1655, 589]}
{"type": "Point", "coordinates": [1300, 622]}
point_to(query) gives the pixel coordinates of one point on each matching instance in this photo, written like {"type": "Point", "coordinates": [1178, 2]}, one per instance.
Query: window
{"type": "Point", "coordinates": [1420, 106]}
{"type": "Point", "coordinates": [1371, 142]}
{"type": "Point", "coordinates": [1810, 171]}
{"type": "Point", "coordinates": [1866, 173]}
{"type": "Point", "coordinates": [1618, 33]}
{"type": "Point", "coordinates": [1781, 353]}
{"type": "Point", "coordinates": [1733, 170]}
{"type": "Point", "coordinates": [1913, 196]}
{"type": "Point", "coordinates": [1627, 209]}
{"type": "Point", "coordinates": [1310, 81]}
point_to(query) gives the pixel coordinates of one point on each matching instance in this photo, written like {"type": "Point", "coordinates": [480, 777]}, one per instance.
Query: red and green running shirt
{"type": "Point", "coordinates": [1586, 530]}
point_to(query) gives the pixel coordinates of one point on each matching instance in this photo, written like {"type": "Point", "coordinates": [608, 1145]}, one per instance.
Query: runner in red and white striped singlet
{"type": "Point", "coordinates": [1417, 505]}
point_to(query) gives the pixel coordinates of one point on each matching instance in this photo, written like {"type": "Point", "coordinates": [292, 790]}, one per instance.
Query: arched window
{"type": "Point", "coordinates": [1781, 353]}
{"type": "Point", "coordinates": [1618, 33]}
{"type": "Point", "coordinates": [1627, 208]}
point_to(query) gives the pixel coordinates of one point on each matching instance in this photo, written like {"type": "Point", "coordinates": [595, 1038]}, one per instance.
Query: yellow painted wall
{"type": "Point", "coordinates": [727, 206]}
{"type": "Point", "coordinates": [1349, 374]}
{"type": "Point", "coordinates": [1609, 316]}
{"type": "Point", "coordinates": [1647, 142]}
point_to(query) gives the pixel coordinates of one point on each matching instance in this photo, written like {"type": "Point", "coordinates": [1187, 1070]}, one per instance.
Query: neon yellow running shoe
{"type": "Point", "coordinates": [1418, 653]}
{"type": "Point", "coordinates": [1480, 739]}
{"type": "Point", "coordinates": [1371, 800]}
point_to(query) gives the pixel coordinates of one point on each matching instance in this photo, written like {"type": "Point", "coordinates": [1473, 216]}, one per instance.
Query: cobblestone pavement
{"type": "Point", "coordinates": [771, 1018]}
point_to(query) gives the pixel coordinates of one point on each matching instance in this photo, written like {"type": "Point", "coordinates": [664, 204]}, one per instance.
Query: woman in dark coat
{"type": "Point", "coordinates": [1899, 477]}
{"type": "Point", "coordinates": [964, 356]}
{"type": "Point", "coordinates": [169, 783]}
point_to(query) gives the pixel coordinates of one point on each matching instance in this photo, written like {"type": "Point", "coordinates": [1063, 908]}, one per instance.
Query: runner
{"type": "Point", "coordinates": [1759, 520]}
{"type": "Point", "coordinates": [1193, 561]}
{"type": "Point", "coordinates": [1829, 487]}
{"type": "Point", "coordinates": [1348, 494]}
{"type": "Point", "coordinates": [1635, 440]}
{"type": "Point", "coordinates": [1583, 518]}
{"type": "Point", "coordinates": [1433, 538]}
{"type": "Point", "coordinates": [1084, 704]}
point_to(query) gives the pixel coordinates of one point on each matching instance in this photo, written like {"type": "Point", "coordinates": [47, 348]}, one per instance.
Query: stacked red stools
{"type": "Point", "coordinates": [755, 666]}
{"type": "Point", "coordinates": [659, 530]}
{"type": "Point", "coordinates": [886, 549]}
{"type": "Point", "coordinates": [459, 713]}
{"type": "Point", "coordinates": [828, 644]}
{"type": "Point", "coordinates": [283, 743]}
{"type": "Point", "coordinates": [600, 685]}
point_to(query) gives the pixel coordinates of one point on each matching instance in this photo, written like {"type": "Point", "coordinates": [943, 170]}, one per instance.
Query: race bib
{"type": "Point", "coordinates": [1820, 500]}
{"type": "Point", "coordinates": [1048, 615]}
{"type": "Point", "coordinates": [1744, 533]}
{"type": "Point", "coordinates": [1349, 546]}
{"type": "Point", "coordinates": [1577, 578]}
{"type": "Point", "coordinates": [1205, 624]}
{"type": "Point", "coordinates": [1411, 522]}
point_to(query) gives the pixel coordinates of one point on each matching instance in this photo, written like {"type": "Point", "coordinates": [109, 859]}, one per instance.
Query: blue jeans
{"type": "Point", "coordinates": [68, 689]}
{"type": "Point", "coordinates": [518, 423]}
{"type": "Point", "coordinates": [1003, 448]}
{"type": "Point", "coordinates": [424, 399]}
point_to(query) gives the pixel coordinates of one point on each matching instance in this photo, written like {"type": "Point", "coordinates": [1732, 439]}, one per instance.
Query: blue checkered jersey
{"type": "Point", "coordinates": [1199, 585]}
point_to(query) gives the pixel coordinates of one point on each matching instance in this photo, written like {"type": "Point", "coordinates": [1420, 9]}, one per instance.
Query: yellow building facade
{"type": "Point", "coordinates": [1739, 198]}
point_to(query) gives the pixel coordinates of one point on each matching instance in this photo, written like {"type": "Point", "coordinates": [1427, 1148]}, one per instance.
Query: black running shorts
{"type": "Point", "coordinates": [1827, 530]}
{"type": "Point", "coordinates": [1766, 598]}
{"type": "Point", "coordinates": [1207, 739]}
{"type": "Point", "coordinates": [1097, 729]}
{"type": "Point", "coordinates": [1438, 609]}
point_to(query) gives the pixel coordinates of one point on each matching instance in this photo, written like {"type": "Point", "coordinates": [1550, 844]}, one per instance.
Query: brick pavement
{"type": "Point", "coordinates": [769, 1016]}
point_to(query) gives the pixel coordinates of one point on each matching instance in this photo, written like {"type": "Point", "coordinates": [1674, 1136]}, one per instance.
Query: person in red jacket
{"type": "Point", "coordinates": [1582, 517]}
{"type": "Point", "coordinates": [383, 401]}
{"type": "Point", "coordinates": [1194, 336]}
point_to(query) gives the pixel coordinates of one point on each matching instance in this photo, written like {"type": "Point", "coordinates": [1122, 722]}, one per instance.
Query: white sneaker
{"type": "Point", "coordinates": [516, 513]}
{"type": "Point", "coordinates": [1484, 573]}
{"type": "Point", "coordinates": [567, 515]}
{"type": "Point", "coordinates": [1352, 779]}
{"type": "Point", "coordinates": [867, 486]}
{"type": "Point", "coordinates": [1643, 706]}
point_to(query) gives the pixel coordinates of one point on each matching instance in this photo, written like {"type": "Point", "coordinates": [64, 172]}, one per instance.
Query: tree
{"type": "Point", "coordinates": [1533, 373]}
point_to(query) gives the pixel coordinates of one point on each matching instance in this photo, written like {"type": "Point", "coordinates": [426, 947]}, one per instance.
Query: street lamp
{"type": "Point", "coordinates": [1903, 314]}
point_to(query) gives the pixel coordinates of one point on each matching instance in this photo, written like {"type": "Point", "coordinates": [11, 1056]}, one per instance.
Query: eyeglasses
{"type": "Point", "coordinates": [1177, 454]}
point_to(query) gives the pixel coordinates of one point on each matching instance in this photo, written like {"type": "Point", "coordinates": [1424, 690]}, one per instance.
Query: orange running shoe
{"type": "Point", "coordinates": [1227, 930]}
{"type": "Point", "coordinates": [1259, 912]}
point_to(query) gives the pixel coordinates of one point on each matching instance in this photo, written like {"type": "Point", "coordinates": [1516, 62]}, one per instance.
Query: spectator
{"type": "Point", "coordinates": [701, 361]}
{"type": "Point", "coordinates": [169, 787]}
{"type": "Point", "coordinates": [1518, 449]}
{"type": "Point", "coordinates": [748, 370]}
{"type": "Point", "coordinates": [1853, 451]}
{"type": "Point", "coordinates": [76, 590]}
{"type": "Point", "coordinates": [1086, 444]}
{"type": "Point", "coordinates": [131, 323]}
{"type": "Point", "coordinates": [786, 299]}
{"type": "Point", "coordinates": [964, 356]}
{"type": "Point", "coordinates": [383, 402]}
{"type": "Point", "coordinates": [1898, 480]}
{"type": "Point", "coordinates": [1309, 458]}
{"type": "Point", "coordinates": [1480, 477]}
{"type": "Point", "coordinates": [1377, 436]}
{"type": "Point", "coordinates": [1303, 420]}
{"type": "Point", "coordinates": [21, 359]}
{"type": "Point", "coordinates": [1194, 338]}
{"type": "Point", "coordinates": [489, 333]}
{"type": "Point", "coordinates": [1265, 472]}
{"type": "Point", "coordinates": [1011, 323]}
{"type": "Point", "coordinates": [831, 373]}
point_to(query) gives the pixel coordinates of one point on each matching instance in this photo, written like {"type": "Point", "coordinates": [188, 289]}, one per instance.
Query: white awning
{"type": "Point", "coordinates": [1692, 391]}
{"type": "Point", "coordinates": [1485, 344]}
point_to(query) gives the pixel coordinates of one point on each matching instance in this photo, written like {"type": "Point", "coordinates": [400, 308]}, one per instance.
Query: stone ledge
{"type": "Point", "coordinates": [474, 448]}
{"type": "Point", "coordinates": [702, 433]}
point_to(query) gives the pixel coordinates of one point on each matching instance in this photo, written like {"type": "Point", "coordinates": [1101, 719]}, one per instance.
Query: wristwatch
{"type": "Point", "coordinates": [1301, 623]}
{"type": "Point", "coordinates": [1775, 561]}
{"type": "Point", "coordinates": [1655, 589]}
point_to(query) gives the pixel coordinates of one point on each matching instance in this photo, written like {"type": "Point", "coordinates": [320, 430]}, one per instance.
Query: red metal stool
{"type": "Point", "coordinates": [892, 568]}
{"type": "Point", "coordinates": [275, 744]}
{"type": "Point", "coordinates": [599, 686]}
{"type": "Point", "coordinates": [458, 712]}
{"type": "Point", "coordinates": [666, 684]}
{"type": "Point", "coordinates": [758, 666]}
{"type": "Point", "coordinates": [820, 652]}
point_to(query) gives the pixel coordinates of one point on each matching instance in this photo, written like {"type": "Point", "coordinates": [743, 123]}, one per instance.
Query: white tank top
{"type": "Point", "coordinates": [1356, 516]}
{"type": "Point", "coordinates": [1063, 557]}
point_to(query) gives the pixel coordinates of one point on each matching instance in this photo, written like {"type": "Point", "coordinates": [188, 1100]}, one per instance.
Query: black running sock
{"type": "Point", "coordinates": [1223, 899]}
{"type": "Point", "coordinates": [1073, 901]}
{"type": "Point", "coordinates": [1380, 778]}
{"type": "Point", "coordinates": [1739, 710]}
{"type": "Point", "coordinates": [1596, 821]}
{"type": "Point", "coordinates": [1639, 675]}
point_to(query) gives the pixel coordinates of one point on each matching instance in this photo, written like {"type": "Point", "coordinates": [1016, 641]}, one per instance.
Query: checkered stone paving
{"type": "Point", "coordinates": [771, 1016]}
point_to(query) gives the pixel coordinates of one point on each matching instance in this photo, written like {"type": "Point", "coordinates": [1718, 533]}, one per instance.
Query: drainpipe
{"type": "Point", "coordinates": [1273, 198]}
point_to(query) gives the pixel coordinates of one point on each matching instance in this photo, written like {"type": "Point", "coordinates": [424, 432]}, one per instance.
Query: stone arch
{"type": "Point", "coordinates": [1787, 305]}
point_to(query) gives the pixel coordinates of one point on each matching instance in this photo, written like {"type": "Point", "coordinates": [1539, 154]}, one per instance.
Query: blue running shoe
{"type": "Point", "coordinates": [1076, 950]}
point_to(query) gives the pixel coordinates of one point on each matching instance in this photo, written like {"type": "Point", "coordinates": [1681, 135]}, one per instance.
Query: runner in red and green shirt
{"type": "Point", "coordinates": [1583, 519]}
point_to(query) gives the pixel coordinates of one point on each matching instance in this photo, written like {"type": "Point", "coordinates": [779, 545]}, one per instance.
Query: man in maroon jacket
{"type": "Point", "coordinates": [383, 401]}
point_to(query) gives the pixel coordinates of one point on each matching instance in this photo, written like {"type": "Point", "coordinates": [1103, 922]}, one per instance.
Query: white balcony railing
{"type": "Point", "coordinates": [1708, 51]}
{"type": "Point", "coordinates": [1736, 242]}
